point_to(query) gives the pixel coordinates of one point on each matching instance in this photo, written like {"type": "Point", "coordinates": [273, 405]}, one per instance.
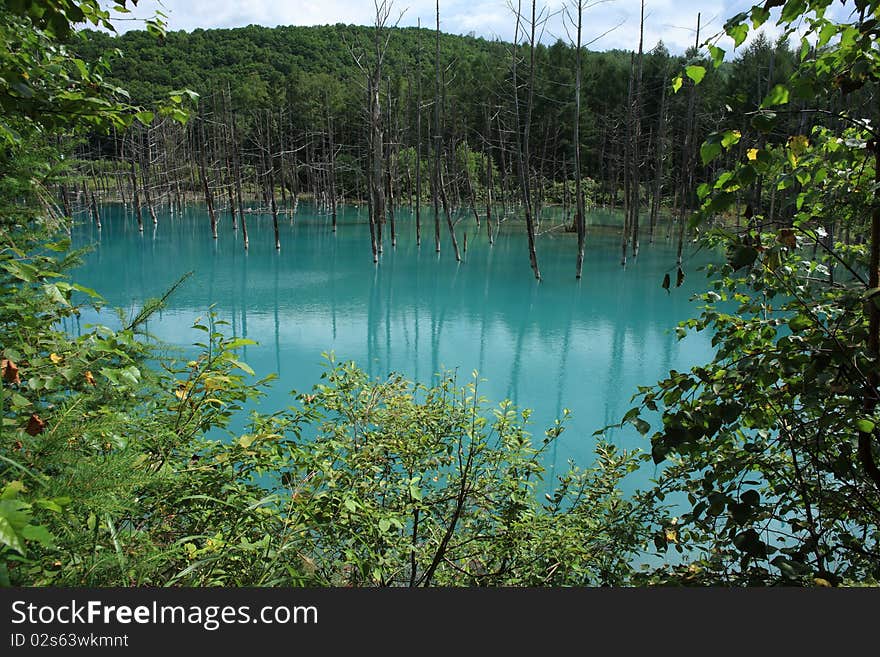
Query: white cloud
{"type": "Point", "coordinates": [673, 21]}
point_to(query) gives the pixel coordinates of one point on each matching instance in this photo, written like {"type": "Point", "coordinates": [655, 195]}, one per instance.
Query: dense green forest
{"type": "Point", "coordinates": [106, 471]}
{"type": "Point", "coordinates": [292, 104]}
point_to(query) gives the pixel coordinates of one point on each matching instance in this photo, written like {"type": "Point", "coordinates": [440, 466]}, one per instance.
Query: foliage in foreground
{"type": "Point", "coordinates": [775, 441]}
{"type": "Point", "coordinates": [108, 476]}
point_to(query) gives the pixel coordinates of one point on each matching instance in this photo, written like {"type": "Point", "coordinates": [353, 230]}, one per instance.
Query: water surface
{"type": "Point", "coordinates": [547, 346]}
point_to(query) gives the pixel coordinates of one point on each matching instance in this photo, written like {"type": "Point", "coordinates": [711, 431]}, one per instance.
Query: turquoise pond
{"type": "Point", "coordinates": [547, 346]}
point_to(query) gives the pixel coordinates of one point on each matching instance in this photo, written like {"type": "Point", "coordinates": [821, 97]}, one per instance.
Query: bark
{"type": "Point", "coordinates": [236, 163]}
{"type": "Point", "coordinates": [134, 189]}
{"type": "Point", "coordinates": [658, 168]}
{"type": "Point", "coordinates": [209, 199]}
{"type": "Point", "coordinates": [435, 182]}
{"type": "Point", "coordinates": [578, 185]}
{"type": "Point", "coordinates": [637, 134]}
{"type": "Point", "coordinates": [523, 131]}
{"type": "Point", "coordinates": [687, 174]}
{"type": "Point", "coordinates": [419, 138]}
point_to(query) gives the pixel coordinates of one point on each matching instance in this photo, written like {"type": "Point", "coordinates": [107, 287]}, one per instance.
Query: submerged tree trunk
{"type": "Point", "coordinates": [134, 189]}
{"type": "Point", "coordinates": [209, 200]}
{"type": "Point", "coordinates": [523, 131]}
{"type": "Point", "coordinates": [448, 215]}
{"type": "Point", "coordinates": [488, 161]}
{"type": "Point", "coordinates": [687, 173]}
{"type": "Point", "coordinates": [435, 182]}
{"type": "Point", "coordinates": [418, 208]}
{"type": "Point", "coordinates": [578, 185]}
{"type": "Point", "coordinates": [658, 172]}
{"type": "Point", "coordinates": [236, 163]}
{"type": "Point", "coordinates": [627, 165]}
{"type": "Point", "coordinates": [637, 136]}
{"type": "Point", "coordinates": [146, 160]}
{"type": "Point", "coordinates": [271, 180]}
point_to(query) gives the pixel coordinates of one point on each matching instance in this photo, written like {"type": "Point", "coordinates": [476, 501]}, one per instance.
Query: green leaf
{"type": "Point", "coordinates": [799, 323]}
{"type": "Point", "coordinates": [59, 247]}
{"type": "Point", "coordinates": [239, 342]}
{"type": "Point", "coordinates": [39, 534]}
{"type": "Point", "coordinates": [737, 32]}
{"type": "Point", "coordinates": [730, 138]}
{"type": "Point", "coordinates": [717, 55]}
{"type": "Point", "coordinates": [86, 290]}
{"type": "Point", "coordinates": [709, 151]}
{"type": "Point", "coordinates": [242, 366]}
{"type": "Point", "coordinates": [384, 524]}
{"type": "Point", "coordinates": [676, 83]}
{"type": "Point", "coordinates": [695, 72]}
{"type": "Point", "coordinates": [18, 401]}
{"type": "Point", "coordinates": [22, 271]}
{"type": "Point", "coordinates": [759, 16]}
{"type": "Point", "coordinates": [55, 294]}
{"type": "Point", "coordinates": [11, 489]}
{"type": "Point", "coordinates": [8, 536]}
{"type": "Point", "coordinates": [793, 10]}
{"type": "Point", "coordinates": [642, 426]}
{"type": "Point", "coordinates": [130, 375]}
{"type": "Point", "coordinates": [864, 425]}
{"type": "Point", "coordinates": [145, 117]}
{"type": "Point", "coordinates": [778, 96]}
{"type": "Point", "coordinates": [828, 31]}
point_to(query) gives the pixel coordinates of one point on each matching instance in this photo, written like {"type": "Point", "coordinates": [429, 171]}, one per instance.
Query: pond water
{"type": "Point", "coordinates": [547, 346]}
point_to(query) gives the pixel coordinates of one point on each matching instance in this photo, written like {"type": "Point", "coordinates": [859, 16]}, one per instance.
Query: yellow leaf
{"type": "Point", "coordinates": [820, 581]}
{"type": "Point", "coordinates": [752, 154]}
{"type": "Point", "coordinates": [798, 144]}
{"type": "Point", "coordinates": [90, 378]}
{"type": "Point", "coordinates": [672, 535]}
{"type": "Point", "coordinates": [55, 358]}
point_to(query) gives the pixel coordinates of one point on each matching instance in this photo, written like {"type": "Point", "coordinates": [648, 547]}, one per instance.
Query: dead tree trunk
{"type": "Point", "coordinates": [435, 182]}
{"type": "Point", "coordinates": [489, 183]}
{"type": "Point", "coordinates": [523, 132]}
{"type": "Point", "coordinates": [579, 219]}
{"type": "Point", "coordinates": [236, 163]}
{"type": "Point", "coordinates": [134, 188]}
{"type": "Point", "coordinates": [209, 200]}
{"type": "Point", "coordinates": [146, 157]}
{"type": "Point", "coordinates": [687, 175]}
{"type": "Point", "coordinates": [637, 135]}
{"type": "Point", "coordinates": [658, 172]}
{"type": "Point", "coordinates": [419, 138]}
{"type": "Point", "coordinates": [271, 179]}
{"type": "Point", "coordinates": [627, 164]}
{"type": "Point", "coordinates": [448, 215]}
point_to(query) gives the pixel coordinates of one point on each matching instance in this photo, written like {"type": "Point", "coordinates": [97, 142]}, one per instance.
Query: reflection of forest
{"type": "Point", "coordinates": [547, 346]}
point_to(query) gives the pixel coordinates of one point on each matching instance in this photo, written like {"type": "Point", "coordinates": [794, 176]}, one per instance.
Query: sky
{"type": "Point", "coordinates": [607, 24]}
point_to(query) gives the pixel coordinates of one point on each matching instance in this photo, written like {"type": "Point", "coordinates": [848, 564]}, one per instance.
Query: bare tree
{"type": "Point", "coordinates": [523, 126]}
{"type": "Point", "coordinates": [371, 67]}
